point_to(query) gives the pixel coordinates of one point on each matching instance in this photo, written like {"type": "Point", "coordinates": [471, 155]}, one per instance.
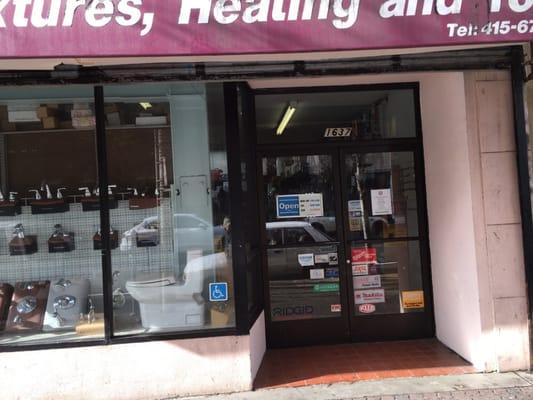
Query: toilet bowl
{"type": "Point", "coordinates": [166, 303]}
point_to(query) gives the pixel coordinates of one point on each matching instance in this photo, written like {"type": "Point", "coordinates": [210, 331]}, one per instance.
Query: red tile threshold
{"type": "Point", "coordinates": [357, 362]}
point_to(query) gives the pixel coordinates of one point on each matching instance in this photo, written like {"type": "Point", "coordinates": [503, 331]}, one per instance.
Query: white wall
{"type": "Point", "coordinates": [257, 344]}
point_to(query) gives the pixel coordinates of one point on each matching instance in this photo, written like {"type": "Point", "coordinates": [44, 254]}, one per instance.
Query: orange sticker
{"type": "Point", "coordinates": [413, 299]}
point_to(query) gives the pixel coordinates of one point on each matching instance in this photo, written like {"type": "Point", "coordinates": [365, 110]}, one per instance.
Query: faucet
{"type": "Point", "coordinates": [48, 191]}
{"type": "Point", "coordinates": [87, 192]}
{"type": "Point", "coordinates": [19, 231]}
{"type": "Point", "coordinates": [12, 196]}
{"type": "Point", "coordinates": [59, 195]}
{"type": "Point", "coordinates": [60, 319]}
{"type": "Point", "coordinates": [37, 193]}
{"type": "Point", "coordinates": [109, 189]}
{"type": "Point", "coordinates": [63, 283]}
{"type": "Point", "coordinates": [135, 191]}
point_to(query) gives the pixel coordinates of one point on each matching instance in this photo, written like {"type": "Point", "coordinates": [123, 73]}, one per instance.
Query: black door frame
{"type": "Point", "coordinates": [337, 149]}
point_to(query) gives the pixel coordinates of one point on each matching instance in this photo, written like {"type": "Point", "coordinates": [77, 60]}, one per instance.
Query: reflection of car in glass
{"type": "Point", "coordinates": [190, 233]}
{"type": "Point", "coordinates": [288, 239]}
{"type": "Point", "coordinates": [378, 225]}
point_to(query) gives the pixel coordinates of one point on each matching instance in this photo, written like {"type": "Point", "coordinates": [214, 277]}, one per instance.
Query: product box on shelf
{"type": "Point", "coordinates": [62, 243]}
{"type": "Point", "coordinates": [28, 307]}
{"type": "Point", "coordinates": [93, 203]}
{"type": "Point", "coordinates": [50, 123]}
{"type": "Point", "coordinates": [10, 208]}
{"type": "Point", "coordinates": [23, 246]}
{"type": "Point", "coordinates": [143, 203]}
{"type": "Point", "coordinates": [46, 206]}
{"type": "Point", "coordinates": [97, 240]}
{"type": "Point", "coordinates": [46, 111]}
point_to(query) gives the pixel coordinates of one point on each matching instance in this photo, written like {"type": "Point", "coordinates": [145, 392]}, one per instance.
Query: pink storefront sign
{"type": "Point", "coordinates": [106, 28]}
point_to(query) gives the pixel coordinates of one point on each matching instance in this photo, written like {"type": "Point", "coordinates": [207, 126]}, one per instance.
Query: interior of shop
{"type": "Point", "coordinates": [168, 195]}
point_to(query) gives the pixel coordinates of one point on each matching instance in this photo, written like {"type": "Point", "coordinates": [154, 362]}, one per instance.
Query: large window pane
{"type": "Point", "coordinates": [172, 261]}
{"type": "Point", "coordinates": [50, 263]}
{"type": "Point", "coordinates": [387, 278]}
{"type": "Point", "coordinates": [368, 114]}
{"type": "Point", "coordinates": [381, 190]}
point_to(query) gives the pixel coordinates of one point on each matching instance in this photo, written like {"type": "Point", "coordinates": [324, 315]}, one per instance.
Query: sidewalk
{"type": "Point", "coordinates": [506, 386]}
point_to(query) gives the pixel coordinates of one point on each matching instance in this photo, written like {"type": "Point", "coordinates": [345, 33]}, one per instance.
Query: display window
{"type": "Point", "coordinates": [168, 214]}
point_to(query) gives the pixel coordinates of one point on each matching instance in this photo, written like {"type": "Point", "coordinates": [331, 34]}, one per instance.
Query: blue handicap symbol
{"type": "Point", "coordinates": [218, 292]}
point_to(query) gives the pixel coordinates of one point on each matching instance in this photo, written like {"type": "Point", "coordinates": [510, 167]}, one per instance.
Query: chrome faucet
{"type": "Point", "coordinates": [37, 193]}
{"type": "Point", "coordinates": [12, 196]}
{"type": "Point", "coordinates": [59, 195]}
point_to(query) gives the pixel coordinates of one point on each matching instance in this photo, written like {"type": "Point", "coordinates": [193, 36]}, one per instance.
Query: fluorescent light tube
{"type": "Point", "coordinates": [286, 119]}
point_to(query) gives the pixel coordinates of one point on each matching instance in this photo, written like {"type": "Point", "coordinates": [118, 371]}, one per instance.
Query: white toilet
{"type": "Point", "coordinates": [166, 303]}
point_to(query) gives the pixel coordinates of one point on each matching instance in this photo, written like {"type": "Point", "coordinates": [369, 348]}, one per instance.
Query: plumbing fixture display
{"type": "Point", "coordinates": [67, 300]}
{"type": "Point", "coordinates": [6, 292]}
{"type": "Point", "coordinates": [61, 241]}
{"type": "Point", "coordinates": [28, 306]}
{"type": "Point", "coordinates": [22, 244]}
{"type": "Point", "coordinates": [9, 207]}
{"type": "Point", "coordinates": [143, 202]}
{"type": "Point", "coordinates": [91, 201]}
{"type": "Point", "coordinates": [97, 240]}
{"type": "Point", "coordinates": [48, 205]}
{"type": "Point", "coordinates": [147, 235]}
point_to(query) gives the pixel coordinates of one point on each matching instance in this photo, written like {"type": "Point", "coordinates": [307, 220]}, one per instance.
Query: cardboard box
{"type": "Point", "coordinates": [81, 113]}
{"type": "Point", "coordinates": [110, 108]}
{"type": "Point", "coordinates": [45, 112]}
{"type": "Point", "coordinates": [151, 120]}
{"type": "Point", "coordinates": [50, 123]}
{"type": "Point", "coordinates": [222, 318]}
{"type": "Point", "coordinates": [113, 119]}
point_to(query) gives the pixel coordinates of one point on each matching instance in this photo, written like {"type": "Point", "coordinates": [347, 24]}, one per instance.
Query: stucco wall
{"type": "Point", "coordinates": [151, 370]}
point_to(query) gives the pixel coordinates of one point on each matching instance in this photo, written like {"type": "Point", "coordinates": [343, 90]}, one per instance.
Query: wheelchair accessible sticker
{"type": "Point", "coordinates": [218, 292]}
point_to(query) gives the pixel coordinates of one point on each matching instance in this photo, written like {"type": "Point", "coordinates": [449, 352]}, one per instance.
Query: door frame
{"type": "Point", "coordinates": [337, 149]}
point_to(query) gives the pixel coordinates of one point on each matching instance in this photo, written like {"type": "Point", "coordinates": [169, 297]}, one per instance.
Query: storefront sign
{"type": "Point", "coordinates": [364, 255]}
{"type": "Point", "coordinates": [367, 282]}
{"type": "Point", "coordinates": [336, 308]}
{"type": "Point", "coordinates": [326, 287]}
{"type": "Point", "coordinates": [359, 269]}
{"type": "Point", "coordinates": [218, 292]}
{"type": "Point", "coordinates": [367, 308]}
{"type": "Point", "coordinates": [381, 202]}
{"type": "Point", "coordinates": [306, 260]}
{"type": "Point", "coordinates": [300, 205]}
{"type": "Point", "coordinates": [322, 259]}
{"type": "Point", "coordinates": [103, 28]}
{"type": "Point", "coordinates": [373, 296]}
{"type": "Point", "coordinates": [333, 259]}
{"type": "Point", "coordinates": [316, 273]}
{"type": "Point", "coordinates": [413, 299]}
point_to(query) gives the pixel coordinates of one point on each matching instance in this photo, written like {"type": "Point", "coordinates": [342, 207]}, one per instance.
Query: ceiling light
{"type": "Point", "coordinates": [146, 106]}
{"type": "Point", "coordinates": [286, 119]}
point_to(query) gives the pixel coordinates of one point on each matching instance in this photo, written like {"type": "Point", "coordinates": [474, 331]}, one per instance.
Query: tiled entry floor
{"type": "Point", "coordinates": [358, 361]}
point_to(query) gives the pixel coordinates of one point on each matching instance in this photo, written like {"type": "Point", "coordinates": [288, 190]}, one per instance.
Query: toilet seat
{"type": "Point", "coordinates": [155, 281]}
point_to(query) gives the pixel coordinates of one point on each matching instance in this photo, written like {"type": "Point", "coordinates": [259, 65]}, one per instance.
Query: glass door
{"type": "Point", "coordinates": [304, 285]}
{"type": "Point", "coordinates": [385, 238]}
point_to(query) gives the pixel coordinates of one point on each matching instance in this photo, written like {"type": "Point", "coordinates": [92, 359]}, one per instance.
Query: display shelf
{"type": "Point", "coordinates": [108, 128]}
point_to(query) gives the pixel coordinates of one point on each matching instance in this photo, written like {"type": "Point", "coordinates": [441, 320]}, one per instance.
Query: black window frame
{"type": "Point", "coordinates": [233, 128]}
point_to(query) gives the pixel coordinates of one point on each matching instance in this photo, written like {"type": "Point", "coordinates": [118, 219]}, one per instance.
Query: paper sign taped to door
{"type": "Point", "coordinates": [381, 202]}
{"type": "Point", "coordinates": [300, 205]}
{"type": "Point", "coordinates": [412, 299]}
